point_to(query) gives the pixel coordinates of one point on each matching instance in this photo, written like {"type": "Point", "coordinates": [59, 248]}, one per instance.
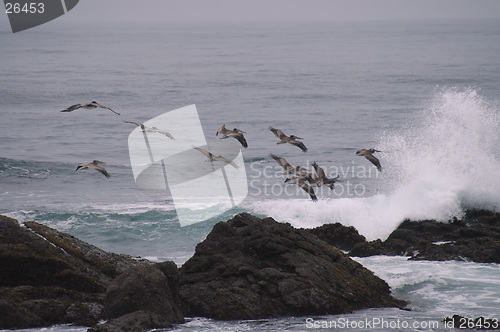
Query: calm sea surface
{"type": "Point", "coordinates": [425, 93]}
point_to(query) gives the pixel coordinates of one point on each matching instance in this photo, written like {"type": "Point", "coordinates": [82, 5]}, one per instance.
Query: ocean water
{"type": "Point", "coordinates": [425, 93]}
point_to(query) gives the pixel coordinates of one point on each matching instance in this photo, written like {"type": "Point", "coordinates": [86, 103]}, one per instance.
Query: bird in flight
{"type": "Point", "coordinates": [94, 165]}
{"type": "Point", "coordinates": [212, 157]}
{"type": "Point", "coordinates": [292, 139]}
{"type": "Point", "coordinates": [301, 182]}
{"type": "Point", "coordinates": [289, 169]}
{"type": "Point", "coordinates": [235, 133]}
{"type": "Point", "coordinates": [151, 129]}
{"type": "Point", "coordinates": [320, 178]}
{"type": "Point", "coordinates": [368, 154]}
{"type": "Point", "coordinates": [91, 105]}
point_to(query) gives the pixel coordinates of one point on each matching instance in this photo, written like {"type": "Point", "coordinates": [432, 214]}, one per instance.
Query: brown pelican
{"type": "Point", "coordinates": [301, 182]}
{"type": "Point", "coordinates": [91, 105]}
{"type": "Point", "coordinates": [151, 129]}
{"type": "Point", "coordinates": [292, 139]}
{"type": "Point", "coordinates": [320, 178]}
{"type": "Point", "coordinates": [95, 166]}
{"type": "Point", "coordinates": [212, 157]}
{"type": "Point", "coordinates": [236, 133]}
{"type": "Point", "coordinates": [368, 154]}
{"type": "Point", "coordinates": [289, 169]}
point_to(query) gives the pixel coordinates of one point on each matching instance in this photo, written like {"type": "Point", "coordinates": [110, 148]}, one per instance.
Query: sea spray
{"type": "Point", "coordinates": [441, 163]}
{"type": "Point", "coordinates": [450, 156]}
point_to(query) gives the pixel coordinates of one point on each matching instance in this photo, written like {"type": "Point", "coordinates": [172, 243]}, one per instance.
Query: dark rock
{"type": "Point", "coordinates": [476, 237]}
{"type": "Point", "coordinates": [365, 249]}
{"type": "Point", "coordinates": [249, 268]}
{"type": "Point", "coordinates": [173, 275]}
{"type": "Point", "coordinates": [136, 321]}
{"type": "Point", "coordinates": [48, 277]}
{"type": "Point", "coordinates": [143, 287]}
{"type": "Point", "coordinates": [14, 317]}
{"type": "Point", "coordinates": [338, 235]}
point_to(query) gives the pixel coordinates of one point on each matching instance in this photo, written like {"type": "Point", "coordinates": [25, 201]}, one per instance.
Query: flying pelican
{"type": "Point", "coordinates": [91, 105]}
{"type": "Point", "coordinates": [212, 157]}
{"type": "Point", "coordinates": [368, 154]}
{"type": "Point", "coordinates": [320, 178]}
{"type": "Point", "coordinates": [151, 129]}
{"type": "Point", "coordinates": [236, 133]}
{"type": "Point", "coordinates": [289, 169]}
{"type": "Point", "coordinates": [292, 139]}
{"type": "Point", "coordinates": [301, 182]}
{"type": "Point", "coordinates": [95, 166]}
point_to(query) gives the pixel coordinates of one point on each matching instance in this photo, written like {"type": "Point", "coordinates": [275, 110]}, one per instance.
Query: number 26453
{"type": "Point", "coordinates": [28, 8]}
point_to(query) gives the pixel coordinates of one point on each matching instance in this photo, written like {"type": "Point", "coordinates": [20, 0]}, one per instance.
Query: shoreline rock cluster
{"type": "Point", "coordinates": [246, 268]}
{"type": "Point", "coordinates": [475, 237]}
{"type": "Point", "coordinates": [251, 268]}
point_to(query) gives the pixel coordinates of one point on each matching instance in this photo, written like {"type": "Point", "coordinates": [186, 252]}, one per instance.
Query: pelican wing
{"type": "Point", "coordinates": [95, 166]}
{"type": "Point", "coordinates": [374, 160]}
{"type": "Point", "coordinates": [300, 181]}
{"type": "Point", "coordinates": [319, 171]}
{"type": "Point", "coordinates": [166, 133]}
{"type": "Point", "coordinates": [73, 107]}
{"type": "Point", "coordinates": [159, 131]}
{"type": "Point", "coordinates": [205, 152]}
{"type": "Point", "coordinates": [307, 188]}
{"type": "Point", "coordinates": [299, 145]}
{"type": "Point", "coordinates": [277, 132]}
{"type": "Point", "coordinates": [102, 106]}
{"type": "Point", "coordinates": [139, 124]}
{"type": "Point", "coordinates": [239, 137]}
{"type": "Point", "coordinates": [281, 161]}
{"type": "Point", "coordinates": [102, 170]}
{"type": "Point", "coordinates": [227, 161]}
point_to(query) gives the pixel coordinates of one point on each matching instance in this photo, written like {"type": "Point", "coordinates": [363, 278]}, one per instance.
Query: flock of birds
{"type": "Point", "coordinates": [297, 175]}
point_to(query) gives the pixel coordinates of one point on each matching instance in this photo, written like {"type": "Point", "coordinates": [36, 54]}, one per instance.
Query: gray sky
{"type": "Point", "coordinates": [284, 10]}
{"type": "Point", "coordinates": [273, 10]}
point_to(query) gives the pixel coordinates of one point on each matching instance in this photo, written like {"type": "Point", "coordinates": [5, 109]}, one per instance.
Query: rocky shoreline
{"type": "Point", "coordinates": [475, 237]}
{"type": "Point", "coordinates": [246, 268]}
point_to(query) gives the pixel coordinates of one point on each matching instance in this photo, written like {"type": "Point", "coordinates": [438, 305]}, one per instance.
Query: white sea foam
{"type": "Point", "coordinates": [440, 286]}
{"type": "Point", "coordinates": [445, 161]}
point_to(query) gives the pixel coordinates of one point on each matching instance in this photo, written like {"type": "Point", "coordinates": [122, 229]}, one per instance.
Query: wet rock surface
{"type": "Point", "coordinates": [143, 288]}
{"type": "Point", "coordinates": [475, 237]}
{"type": "Point", "coordinates": [48, 277]}
{"type": "Point", "coordinates": [249, 268]}
{"type": "Point", "coordinates": [338, 235]}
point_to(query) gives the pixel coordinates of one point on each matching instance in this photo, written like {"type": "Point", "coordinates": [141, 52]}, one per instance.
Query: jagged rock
{"type": "Point", "coordinates": [249, 268]}
{"type": "Point", "coordinates": [338, 235]}
{"type": "Point", "coordinates": [143, 287]}
{"type": "Point", "coordinates": [476, 237]}
{"type": "Point", "coordinates": [48, 277]}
